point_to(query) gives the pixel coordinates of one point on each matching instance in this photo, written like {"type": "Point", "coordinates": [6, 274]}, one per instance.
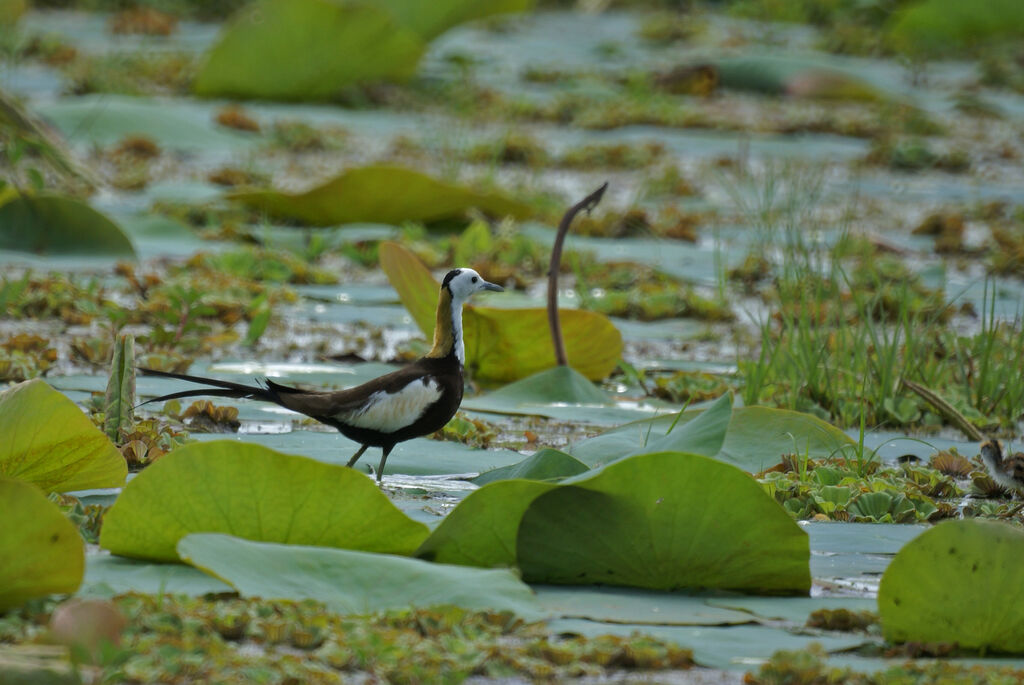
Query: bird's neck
{"type": "Point", "coordinates": [448, 329]}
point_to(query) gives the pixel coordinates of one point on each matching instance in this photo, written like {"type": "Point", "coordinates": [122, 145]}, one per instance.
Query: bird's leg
{"type": "Point", "coordinates": [355, 457]}
{"type": "Point", "coordinates": [386, 450]}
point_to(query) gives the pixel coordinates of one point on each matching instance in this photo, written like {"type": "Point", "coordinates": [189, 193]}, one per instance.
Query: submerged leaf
{"type": "Point", "coordinates": [504, 345]}
{"type": "Point", "coordinates": [256, 493]}
{"type": "Point", "coordinates": [379, 194]}
{"type": "Point", "coordinates": [49, 442]}
{"type": "Point", "coordinates": [42, 551]}
{"type": "Point", "coordinates": [54, 224]}
{"type": "Point", "coordinates": [352, 582]}
{"type": "Point", "coordinates": [306, 50]}
{"type": "Point", "coordinates": [664, 521]}
{"type": "Point", "coordinates": [957, 582]}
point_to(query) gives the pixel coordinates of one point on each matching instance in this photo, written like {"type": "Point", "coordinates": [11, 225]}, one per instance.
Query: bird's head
{"type": "Point", "coordinates": [462, 283]}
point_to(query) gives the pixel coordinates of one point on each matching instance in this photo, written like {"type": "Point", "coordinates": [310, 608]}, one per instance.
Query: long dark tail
{"type": "Point", "coordinates": [269, 392]}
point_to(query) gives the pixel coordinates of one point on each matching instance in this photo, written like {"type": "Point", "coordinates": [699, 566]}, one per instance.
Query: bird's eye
{"type": "Point", "coordinates": [475, 279]}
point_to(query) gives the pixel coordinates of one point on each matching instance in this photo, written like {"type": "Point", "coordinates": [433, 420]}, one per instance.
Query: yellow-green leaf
{"type": "Point", "coordinates": [307, 50]}
{"type": "Point", "coordinates": [253, 492]}
{"type": "Point", "coordinates": [379, 194]}
{"type": "Point", "coordinates": [504, 345]}
{"type": "Point", "coordinates": [49, 442]}
{"type": "Point", "coordinates": [42, 552]}
{"type": "Point", "coordinates": [55, 224]}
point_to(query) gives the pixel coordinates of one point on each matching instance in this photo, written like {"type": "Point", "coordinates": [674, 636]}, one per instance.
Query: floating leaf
{"type": "Point", "coordinates": [380, 194]}
{"type": "Point", "coordinates": [107, 119]}
{"type": "Point", "coordinates": [795, 77]}
{"type": "Point", "coordinates": [756, 438]}
{"type": "Point", "coordinates": [664, 521]}
{"type": "Point", "coordinates": [503, 345]}
{"type": "Point", "coordinates": [481, 530]}
{"type": "Point", "coordinates": [41, 550]}
{"type": "Point", "coordinates": [629, 605]}
{"type": "Point", "coordinates": [49, 442]}
{"type": "Point", "coordinates": [547, 464]}
{"type": "Point", "coordinates": [353, 582]}
{"type": "Point", "coordinates": [306, 50]}
{"type": "Point", "coordinates": [696, 432]}
{"type": "Point", "coordinates": [54, 224]}
{"type": "Point", "coordinates": [253, 492]}
{"type": "Point", "coordinates": [120, 396]}
{"type": "Point", "coordinates": [957, 582]}
{"type": "Point", "coordinates": [107, 575]}
{"type": "Point", "coordinates": [943, 28]}
{"type": "Point", "coordinates": [561, 384]}
{"type": "Point", "coordinates": [430, 19]}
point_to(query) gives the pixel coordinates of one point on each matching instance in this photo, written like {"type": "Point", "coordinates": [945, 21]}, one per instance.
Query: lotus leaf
{"type": "Point", "coordinates": [54, 224]}
{"type": "Point", "coordinates": [698, 432]}
{"type": "Point", "coordinates": [503, 345]}
{"type": "Point", "coordinates": [107, 575]}
{"type": "Point", "coordinates": [481, 530]}
{"type": "Point", "coordinates": [957, 582]}
{"type": "Point", "coordinates": [41, 550]}
{"type": "Point", "coordinates": [629, 605]}
{"type": "Point", "coordinates": [353, 582]}
{"type": "Point", "coordinates": [107, 119]}
{"type": "Point", "coordinates": [429, 19]}
{"type": "Point", "coordinates": [664, 521]}
{"type": "Point", "coordinates": [561, 384]}
{"type": "Point", "coordinates": [256, 493]}
{"type": "Point", "coordinates": [49, 442]}
{"type": "Point", "coordinates": [307, 50]}
{"type": "Point", "coordinates": [547, 464]}
{"type": "Point", "coordinates": [380, 194]}
{"type": "Point", "coordinates": [936, 28]}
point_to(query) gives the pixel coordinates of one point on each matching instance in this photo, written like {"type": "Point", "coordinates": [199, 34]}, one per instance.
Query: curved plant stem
{"type": "Point", "coordinates": [587, 203]}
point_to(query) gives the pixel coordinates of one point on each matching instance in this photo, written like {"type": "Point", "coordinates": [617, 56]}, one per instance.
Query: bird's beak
{"type": "Point", "coordinates": [491, 286]}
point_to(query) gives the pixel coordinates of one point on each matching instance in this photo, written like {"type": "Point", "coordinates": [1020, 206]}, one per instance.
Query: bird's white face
{"type": "Point", "coordinates": [466, 282]}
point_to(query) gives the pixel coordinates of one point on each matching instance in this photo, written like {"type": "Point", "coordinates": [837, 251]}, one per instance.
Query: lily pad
{"type": "Point", "coordinates": [55, 224]}
{"type": "Point", "coordinates": [256, 493]}
{"type": "Point", "coordinates": [756, 438]}
{"type": "Point", "coordinates": [307, 50]}
{"type": "Point", "coordinates": [629, 605]}
{"type": "Point", "coordinates": [42, 551]}
{"type": "Point", "coordinates": [353, 582]}
{"type": "Point", "coordinates": [107, 575]}
{"type": "Point", "coordinates": [504, 345]}
{"type": "Point", "coordinates": [380, 194]}
{"type": "Point", "coordinates": [481, 530]}
{"type": "Point", "coordinates": [957, 582]}
{"type": "Point", "coordinates": [697, 432]}
{"type": "Point", "coordinates": [561, 385]}
{"type": "Point", "coordinates": [49, 442]}
{"type": "Point", "coordinates": [664, 521]}
{"type": "Point", "coordinates": [547, 464]}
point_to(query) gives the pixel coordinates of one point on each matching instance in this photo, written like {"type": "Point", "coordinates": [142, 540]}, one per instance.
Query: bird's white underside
{"type": "Point", "coordinates": [390, 412]}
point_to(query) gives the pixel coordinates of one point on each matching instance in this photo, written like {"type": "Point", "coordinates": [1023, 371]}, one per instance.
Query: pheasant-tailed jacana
{"type": "Point", "coordinates": [415, 400]}
{"type": "Point", "coordinates": [1007, 472]}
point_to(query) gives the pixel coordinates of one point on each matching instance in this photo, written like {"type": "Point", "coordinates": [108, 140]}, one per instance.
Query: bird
{"type": "Point", "coordinates": [1008, 472]}
{"type": "Point", "coordinates": [415, 400]}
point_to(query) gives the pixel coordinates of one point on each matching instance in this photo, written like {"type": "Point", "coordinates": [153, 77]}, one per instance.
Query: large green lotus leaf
{"type": "Point", "coordinates": [54, 224]}
{"type": "Point", "coordinates": [700, 431]}
{"type": "Point", "coordinates": [41, 550]}
{"type": "Point", "coordinates": [758, 437]}
{"type": "Point", "coordinates": [664, 521]}
{"type": "Point", "coordinates": [547, 464]}
{"type": "Point", "coordinates": [107, 575]}
{"type": "Point", "coordinates": [353, 582]}
{"type": "Point", "coordinates": [755, 439]}
{"type": "Point", "coordinates": [380, 194]}
{"type": "Point", "coordinates": [430, 19]}
{"type": "Point", "coordinates": [49, 442]}
{"type": "Point", "coordinates": [958, 582]}
{"type": "Point", "coordinates": [307, 50]}
{"type": "Point", "coordinates": [256, 493]}
{"type": "Point", "coordinates": [504, 345]}
{"type": "Point", "coordinates": [481, 530]}
{"type": "Point", "coordinates": [176, 125]}
{"type": "Point", "coordinates": [561, 385]}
